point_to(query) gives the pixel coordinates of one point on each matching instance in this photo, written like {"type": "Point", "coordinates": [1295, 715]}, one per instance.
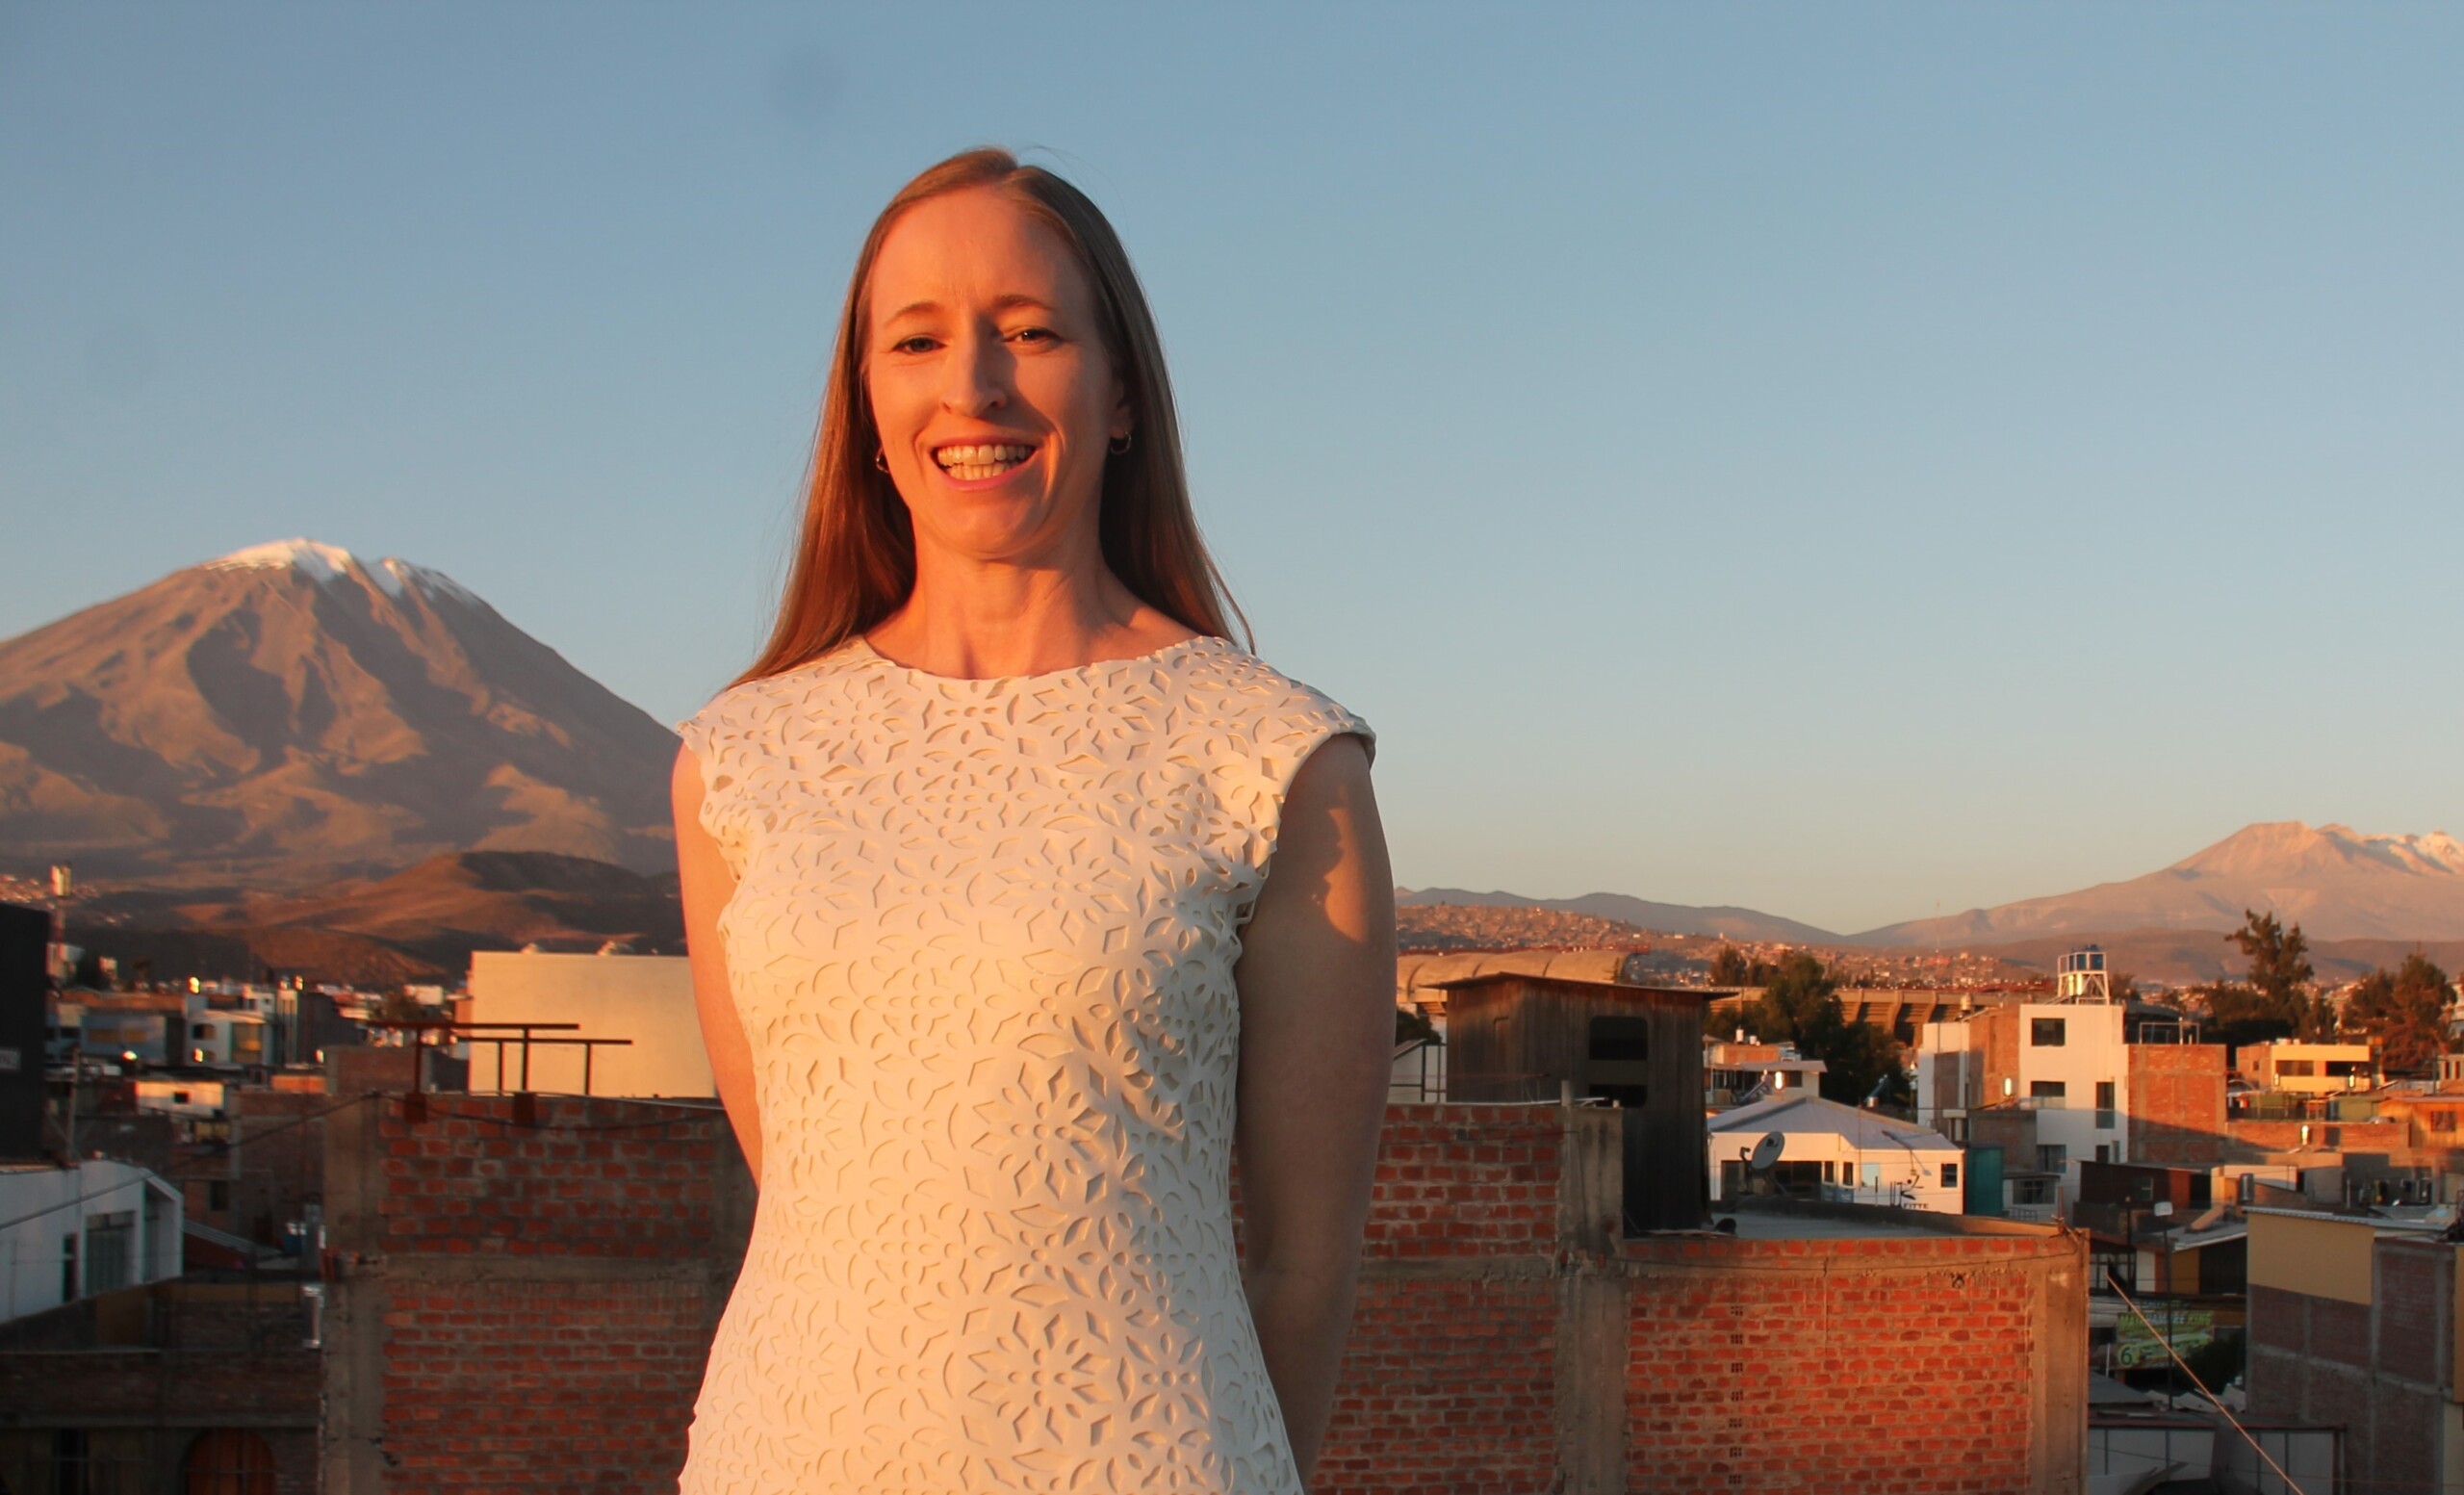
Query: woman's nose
{"type": "Point", "coordinates": [979, 376]}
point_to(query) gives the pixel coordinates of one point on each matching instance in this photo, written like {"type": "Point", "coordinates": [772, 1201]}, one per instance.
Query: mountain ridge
{"type": "Point", "coordinates": [1671, 919]}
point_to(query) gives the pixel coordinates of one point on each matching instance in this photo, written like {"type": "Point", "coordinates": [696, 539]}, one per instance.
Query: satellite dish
{"type": "Point", "coordinates": [1766, 1152]}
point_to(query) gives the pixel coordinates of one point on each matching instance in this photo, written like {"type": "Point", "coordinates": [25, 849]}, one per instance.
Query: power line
{"type": "Point", "coordinates": [2221, 1410]}
{"type": "Point", "coordinates": [218, 1150]}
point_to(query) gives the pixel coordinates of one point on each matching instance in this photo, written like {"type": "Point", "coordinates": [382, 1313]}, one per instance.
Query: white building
{"type": "Point", "coordinates": [645, 999]}
{"type": "Point", "coordinates": [71, 1232]}
{"type": "Point", "coordinates": [1839, 1153]}
{"type": "Point", "coordinates": [2067, 1062]}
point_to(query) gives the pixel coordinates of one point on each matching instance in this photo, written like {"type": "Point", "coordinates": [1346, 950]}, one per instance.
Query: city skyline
{"type": "Point", "coordinates": [1854, 466]}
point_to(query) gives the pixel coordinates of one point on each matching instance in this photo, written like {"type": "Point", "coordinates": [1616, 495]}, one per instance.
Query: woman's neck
{"type": "Point", "coordinates": [980, 621]}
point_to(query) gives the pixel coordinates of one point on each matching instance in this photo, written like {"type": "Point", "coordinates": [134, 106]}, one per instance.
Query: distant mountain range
{"type": "Point", "coordinates": [290, 713]}
{"type": "Point", "coordinates": [1668, 918]}
{"type": "Point", "coordinates": [2338, 884]}
{"type": "Point", "coordinates": [419, 924]}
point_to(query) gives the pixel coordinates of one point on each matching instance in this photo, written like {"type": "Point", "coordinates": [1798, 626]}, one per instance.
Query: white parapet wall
{"type": "Point", "coordinates": [646, 998]}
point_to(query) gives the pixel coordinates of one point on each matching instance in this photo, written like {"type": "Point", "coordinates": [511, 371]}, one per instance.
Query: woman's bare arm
{"type": "Point", "coordinates": [707, 884]}
{"type": "Point", "coordinates": [1317, 981]}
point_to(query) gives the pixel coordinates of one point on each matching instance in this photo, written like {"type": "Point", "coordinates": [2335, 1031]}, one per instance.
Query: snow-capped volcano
{"type": "Point", "coordinates": [2335, 882]}
{"type": "Point", "coordinates": [291, 711]}
{"type": "Point", "coordinates": [331, 563]}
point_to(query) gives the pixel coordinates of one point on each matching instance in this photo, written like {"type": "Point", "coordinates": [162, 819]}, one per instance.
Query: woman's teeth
{"type": "Point", "coordinates": [971, 464]}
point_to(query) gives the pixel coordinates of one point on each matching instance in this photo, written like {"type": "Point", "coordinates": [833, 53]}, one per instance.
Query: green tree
{"type": "Point", "coordinates": [1800, 1005]}
{"type": "Point", "coordinates": [2402, 1014]}
{"type": "Point", "coordinates": [2238, 1016]}
{"type": "Point", "coordinates": [2279, 960]}
{"type": "Point", "coordinates": [1730, 966]}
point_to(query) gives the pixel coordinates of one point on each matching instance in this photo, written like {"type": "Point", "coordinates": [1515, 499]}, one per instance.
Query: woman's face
{"type": "Point", "coordinates": [991, 394]}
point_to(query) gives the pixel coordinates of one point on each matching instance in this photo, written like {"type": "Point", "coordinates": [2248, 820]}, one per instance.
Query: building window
{"type": "Point", "coordinates": [2104, 1153]}
{"type": "Point", "coordinates": [1950, 1175]}
{"type": "Point", "coordinates": [111, 1242]}
{"type": "Point", "coordinates": [2440, 1121]}
{"type": "Point", "coordinates": [2042, 1090]}
{"type": "Point", "coordinates": [2296, 1068]}
{"type": "Point", "coordinates": [2052, 1157]}
{"type": "Point", "coordinates": [1621, 1040]}
{"type": "Point", "coordinates": [2047, 1032]}
{"type": "Point", "coordinates": [2105, 1118]}
{"type": "Point", "coordinates": [227, 1461]}
{"type": "Point", "coordinates": [68, 1269]}
{"type": "Point", "coordinates": [74, 1462]}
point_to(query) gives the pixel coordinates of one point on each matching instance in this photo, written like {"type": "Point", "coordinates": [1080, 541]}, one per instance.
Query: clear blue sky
{"type": "Point", "coordinates": [1852, 460]}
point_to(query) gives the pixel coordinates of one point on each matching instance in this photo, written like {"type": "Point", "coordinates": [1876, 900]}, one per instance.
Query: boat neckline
{"type": "Point", "coordinates": [865, 653]}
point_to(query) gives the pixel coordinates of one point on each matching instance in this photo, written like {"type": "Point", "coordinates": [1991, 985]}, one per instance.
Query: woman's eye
{"type": "Point", "coordinates": [1033, 335]}
{"type": "Point", "coordinates": [918, 344]}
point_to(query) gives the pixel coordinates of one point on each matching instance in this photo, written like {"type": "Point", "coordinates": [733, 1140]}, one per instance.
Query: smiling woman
{"type": "Point", "coordinates": [1020, 900]}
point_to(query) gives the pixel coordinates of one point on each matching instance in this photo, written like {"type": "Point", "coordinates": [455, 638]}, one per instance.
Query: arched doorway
{"type": "Point", "coordinates": [227, 1461]}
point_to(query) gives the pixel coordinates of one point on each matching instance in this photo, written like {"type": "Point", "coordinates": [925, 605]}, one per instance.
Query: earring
{"type": "Point", "coordinates": [1118, 445]}
{"type": "Point", "coordinates": [881, 459]}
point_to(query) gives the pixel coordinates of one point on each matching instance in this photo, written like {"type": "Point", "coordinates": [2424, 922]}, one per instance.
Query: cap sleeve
{"type": "Point", "coordinates": [1290, 726]}
{"type": "Point", "coordinates": [716, 739]}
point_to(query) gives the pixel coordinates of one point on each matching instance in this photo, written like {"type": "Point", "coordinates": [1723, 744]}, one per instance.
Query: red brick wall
{"type": "Point", "coordinates": [1894, 1364]}
{"type": "Point", "coordinates": [1464, 1374]}
{"type": "Point", "coordinates": [542, 1294]}
{"type": "Point", "coordinates": [542, 1387]}
{"type": "Point", "coordinates": [190, 1367]}
{"type": "Point", "coordinates": [2254, 1138]}
{"type": "Point", "coordinates": [2383, 1370]}
{"type": "Point", "coordinates": [1465, 1182]}
{"type": "Point", "coordinates": [2176, 1096]}
{"type": "Point", "coordinates": [588, 1179]}
{"type": "Point", "coordinates": [1446, 1386]}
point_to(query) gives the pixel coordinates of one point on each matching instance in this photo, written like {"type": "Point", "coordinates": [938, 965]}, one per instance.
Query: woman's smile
{"type": "Point", "coordinates": [980, 461]}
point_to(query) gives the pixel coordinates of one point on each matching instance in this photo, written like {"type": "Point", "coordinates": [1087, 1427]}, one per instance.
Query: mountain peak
{"type": "Point", "coordinates": [320, 561]}
{"type": "Point", "coordinates": [2282, 848]}
{"type": "Point", "coordinates": [325, 564]}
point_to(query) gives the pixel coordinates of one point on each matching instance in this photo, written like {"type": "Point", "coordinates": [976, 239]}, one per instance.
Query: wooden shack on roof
{"type": "Point", "coordinates": [1520, 1036]}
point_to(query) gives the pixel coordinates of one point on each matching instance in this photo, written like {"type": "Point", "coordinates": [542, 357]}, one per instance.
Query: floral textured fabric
{"type": "Point", "coordinates": [981, 943]}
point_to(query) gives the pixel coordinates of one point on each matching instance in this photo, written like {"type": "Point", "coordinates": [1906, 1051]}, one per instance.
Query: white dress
{"type": "Point", "coordinates": [982, 942]}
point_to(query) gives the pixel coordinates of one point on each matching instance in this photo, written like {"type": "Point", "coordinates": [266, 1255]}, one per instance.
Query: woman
{"type": "Point", "coordinates": [993, 972]}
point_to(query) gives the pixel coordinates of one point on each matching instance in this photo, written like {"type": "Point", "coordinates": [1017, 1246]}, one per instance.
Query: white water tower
{"type": "Point", "coordinates": [2080, 977]}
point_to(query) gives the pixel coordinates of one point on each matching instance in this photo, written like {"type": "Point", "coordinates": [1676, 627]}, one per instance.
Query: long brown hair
{"type": "Point", "coordinates": [855, 557]}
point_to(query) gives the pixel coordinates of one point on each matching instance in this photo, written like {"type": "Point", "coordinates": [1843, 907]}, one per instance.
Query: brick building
{"type": "Point", "coordinates": [179, 1385]}
{"type": "Point", "coordinates": [523, 1298]}
{"type": "Point", "coordinates": [2353, 1323]}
